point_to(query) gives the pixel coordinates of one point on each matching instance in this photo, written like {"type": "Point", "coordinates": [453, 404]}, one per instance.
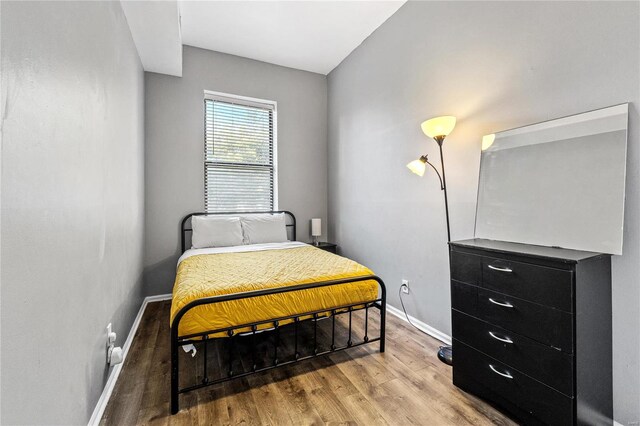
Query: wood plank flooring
{"type": "Point", "coordinates": [405, 385]}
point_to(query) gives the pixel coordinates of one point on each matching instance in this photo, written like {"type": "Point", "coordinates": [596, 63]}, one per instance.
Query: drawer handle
{"type": "Point", "coordinates": [507, 375]}
{"type": "Point", "coordinates": [503, 304]}
{"type": "Point", "coordinates": [497, 268]}
{"type": "Point", "coordinates": [502, 339]}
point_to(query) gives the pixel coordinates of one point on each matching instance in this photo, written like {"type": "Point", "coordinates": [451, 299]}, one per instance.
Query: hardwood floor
{"type": "Point", "coordinates": [405, 385]}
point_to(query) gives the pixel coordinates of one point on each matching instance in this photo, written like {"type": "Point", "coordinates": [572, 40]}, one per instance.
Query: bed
{"type": "Point", "coordinates": [248, 289]}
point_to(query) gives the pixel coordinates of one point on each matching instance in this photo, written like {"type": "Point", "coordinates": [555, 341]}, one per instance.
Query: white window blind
{"type": "Point", "coordinates": [239, 155]}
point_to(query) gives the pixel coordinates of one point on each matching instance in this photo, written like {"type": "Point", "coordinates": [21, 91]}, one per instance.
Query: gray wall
{"type": "Point", "coordinates": [494, 65]}
{"type": "Point", "coordinates": [72, 203]}
{"type": "Point", "coordinates": [174, 152]}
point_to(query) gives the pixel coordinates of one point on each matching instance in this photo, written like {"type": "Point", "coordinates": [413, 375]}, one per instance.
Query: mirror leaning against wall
{"type": "Point", "coordinates": [559, 183]}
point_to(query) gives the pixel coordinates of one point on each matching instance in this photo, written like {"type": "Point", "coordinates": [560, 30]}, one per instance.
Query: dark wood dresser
{"type": "Point", "coordinates": [532, 330]}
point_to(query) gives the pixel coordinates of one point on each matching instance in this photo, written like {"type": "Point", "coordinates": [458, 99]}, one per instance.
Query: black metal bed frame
{"type": "Point", "coordinates": [204, 337]}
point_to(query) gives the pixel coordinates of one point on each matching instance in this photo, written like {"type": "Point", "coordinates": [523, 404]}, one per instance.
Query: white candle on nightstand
{"type": "Point", "coordinates": [316, 229]}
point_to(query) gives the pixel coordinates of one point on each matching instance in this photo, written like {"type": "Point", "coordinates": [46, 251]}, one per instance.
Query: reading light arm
{"type": "Point", "coordinates": [437, 172]}
{"type": "Point", "coordinates": [443, 183]}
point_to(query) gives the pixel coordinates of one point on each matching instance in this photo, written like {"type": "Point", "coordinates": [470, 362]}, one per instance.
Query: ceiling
{"type": "Point", "coordinates": [308, 35]}
{"type": "Point", "coordinates": [155, 28]}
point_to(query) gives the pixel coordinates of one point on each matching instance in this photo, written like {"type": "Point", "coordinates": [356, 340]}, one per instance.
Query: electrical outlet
{"type": "Point", "coordinates": [405, 286]}
{"type": "Point", "coordinates": [111, 342]}
{"type": "Point", "coordinates": [108, 345]}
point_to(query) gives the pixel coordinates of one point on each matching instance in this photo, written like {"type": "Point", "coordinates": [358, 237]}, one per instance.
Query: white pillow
{"type": "Point", "coordinates": [264, 228]}
{"type": "Point", "coordinates": [211, 231]}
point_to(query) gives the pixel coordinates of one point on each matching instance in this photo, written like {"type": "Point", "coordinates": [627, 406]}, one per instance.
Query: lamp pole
{"type": "Point", "coordinates": [445, 353]}
{"type": "Point", "coordinates": [440, 140]}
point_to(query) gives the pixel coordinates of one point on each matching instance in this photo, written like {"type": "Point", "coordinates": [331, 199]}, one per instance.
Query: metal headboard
{"type": "Point", "coordinates": [187, 218]}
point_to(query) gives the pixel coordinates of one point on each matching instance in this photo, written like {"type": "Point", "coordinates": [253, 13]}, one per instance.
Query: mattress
{"type": "Point", "coordinates": [213, 272]}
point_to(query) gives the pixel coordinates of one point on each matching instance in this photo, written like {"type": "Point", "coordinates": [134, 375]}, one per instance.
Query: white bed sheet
{"type": "Point", "coordinates": [238, 249]}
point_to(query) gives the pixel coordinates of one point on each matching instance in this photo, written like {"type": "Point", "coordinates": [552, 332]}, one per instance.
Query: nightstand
{"type": "Point", "coordinates": [330, 247]}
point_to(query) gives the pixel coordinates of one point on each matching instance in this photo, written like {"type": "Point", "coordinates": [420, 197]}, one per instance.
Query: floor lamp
{"type": "Point", "coordinates": [437, 128]}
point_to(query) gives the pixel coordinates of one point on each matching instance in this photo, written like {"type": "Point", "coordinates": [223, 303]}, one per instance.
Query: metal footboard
{"type": "Point", "coordinates": [274, 324]}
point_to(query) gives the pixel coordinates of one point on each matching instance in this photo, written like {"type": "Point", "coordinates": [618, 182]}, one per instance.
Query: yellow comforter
{"type": "Point", "coordinates": [216, 274]}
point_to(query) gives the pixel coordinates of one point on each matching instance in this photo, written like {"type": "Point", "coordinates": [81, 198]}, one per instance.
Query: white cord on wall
{"type": "Point", "coordinates": [407, 315]}
{"type": "Point", "coordinates": [405, 311]}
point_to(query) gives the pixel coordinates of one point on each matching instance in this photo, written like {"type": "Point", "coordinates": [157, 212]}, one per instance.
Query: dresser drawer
{"type": "Point", "coordinates": [539, 284]}
{"type": "Point", "coordinates": [464, 297]}
{"type": "Point", "coordinates": [466, 268]}
{"type": "Point", "coordinates": [493, 380]}
{"type": "Point", "coordinates": [546, 325]}
{"type": "Point", "coordinates": [539, 361]}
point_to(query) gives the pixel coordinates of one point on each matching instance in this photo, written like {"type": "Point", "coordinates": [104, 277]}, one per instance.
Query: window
{"type": "Point", "coordinates": [239, 168]}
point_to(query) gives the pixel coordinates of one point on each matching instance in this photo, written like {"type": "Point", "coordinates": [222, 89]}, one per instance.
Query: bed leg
{"type": "Point", "coordinates": [382, 328]}
{"type": "Point", "coordinates": [175, 403]}
{"type": "Point", "coordinates": [383, 318]}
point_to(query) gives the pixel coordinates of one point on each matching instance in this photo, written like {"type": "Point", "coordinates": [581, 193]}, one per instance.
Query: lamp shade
{"type": "Point", "coordinates": [439, 126]}
{"type": "Point", "coordinates": [417, 167]}
{"type": "Point", "coordinates": [316, 227]}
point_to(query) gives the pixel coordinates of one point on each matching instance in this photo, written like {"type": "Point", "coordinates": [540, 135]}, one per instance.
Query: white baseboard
{"type": "Point", "coordinates": [98, 411]}
{"type": "Point", "coordinates": [156, 298]}
{"type": "Point", "coordinates": [435, 333]}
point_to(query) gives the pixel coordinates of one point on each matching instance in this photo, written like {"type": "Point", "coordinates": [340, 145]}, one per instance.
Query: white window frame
{"type": "Point", "coordinates": [248, 101]}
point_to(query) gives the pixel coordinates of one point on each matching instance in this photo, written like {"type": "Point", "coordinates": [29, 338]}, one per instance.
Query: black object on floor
{"type": "Point", "coordinates": [445, 354]}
